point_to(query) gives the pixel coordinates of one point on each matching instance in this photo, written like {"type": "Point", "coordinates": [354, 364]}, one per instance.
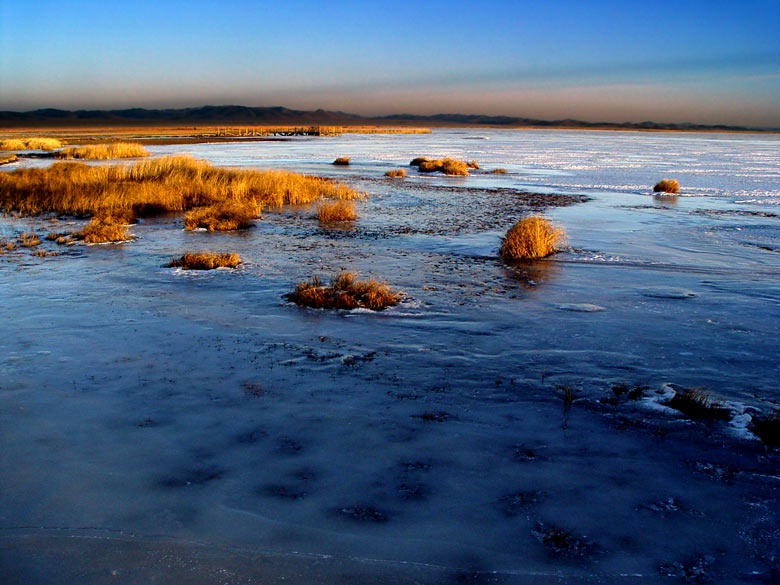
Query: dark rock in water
{"type": "Point", "coordinates": [191, 477]}
{"type": "Point", "coordinates": [363, 514]}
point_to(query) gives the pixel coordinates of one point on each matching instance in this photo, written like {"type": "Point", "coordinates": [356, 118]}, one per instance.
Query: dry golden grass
{"type": "Point", "coordinates": [344, 292]}
{"type": "Point", "coordinates": [223, 216]}
{"type": "Point", "coordinates": [104, 151]}
{"type": "Point", "coordinates": [30, 144]}
{"type": "Point", "coordinates": [28, 240]}
{"type": "Point", "coordinates": [170, 184]}
{"type": "Point", "coordinates": [531, 237]}
{"type": "Point", "coordinates": [497, 172]}
{"type": "Point", "coordinates": [43, 253]}
{"type": "Point", "coordinates": [396, 173]}
{"type": "Point", "coordinates": [331, 211]}
{"type": "Point", "coordinates": [6, 245]}
{"type": "Point", "coordinates": [342, 161]}
{"type": "Point", "coordinates": [6, 158]}
{"type": "Point", "coordinates": [447, 166]}
{"type": "Point", "coordinates": [205, 261]}
{"type": "Point", "coordinates": [667, 186]}
{"type": "Point", "coordinates": [103, 228]}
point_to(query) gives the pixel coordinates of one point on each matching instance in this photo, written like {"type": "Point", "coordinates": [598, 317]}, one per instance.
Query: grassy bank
{"type": "Point", "coordinates": [170, 184]}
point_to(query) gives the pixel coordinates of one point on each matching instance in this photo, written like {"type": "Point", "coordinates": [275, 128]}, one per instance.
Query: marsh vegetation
{"type": "Point", "coordinates": [531, 237]}
{"type": "Point", "coordinates": [169, 184]}
{"type": "Point", "coordinates": [30, 144]}
{"type": "Point", "coordinates": [335, 211]}
{"type": "Point", "coordinates": [667, 186]}
{"type": "Point", "coordinates": [205, 261]}
{"type": "Point", "coordinates": [104, 151]}
{"type": "Point", "coordinates": [344, 292]}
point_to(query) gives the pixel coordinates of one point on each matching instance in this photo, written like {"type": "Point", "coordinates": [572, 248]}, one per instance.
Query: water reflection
{"type": "Point", "coordinates": [531, 273]}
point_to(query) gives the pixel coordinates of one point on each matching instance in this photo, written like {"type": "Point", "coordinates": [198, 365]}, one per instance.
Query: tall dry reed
{"type": "Point", "coordinates": [104, 151]}
{"type": "Point", "coordinates": [170, 184]}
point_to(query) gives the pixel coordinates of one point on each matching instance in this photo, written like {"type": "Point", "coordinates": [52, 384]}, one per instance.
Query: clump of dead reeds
{"type": "Point", "coordinates": [169, 184]}
{"type": "Point", "coordinates": [205, 261]}
{"type": "Point", "coordinates": [531, 237]}
{"type": "Point", "coordinates": [396, 173]}
{"type": "Point", "coordinates": [416, 162]}
{"type": "Point", "coordinates": [6, 158]}
{"type": "Point", "coordinates": [698, 403]}
{"type": "Point", "coordinates": [44, 253]}
{"type": "Point", "coordinates": [447, 166]}
{"type": "Point", "coordinates": [223, 216]}
{"type": "Point", "coordinates": [102, 229]}
{"type": "Point", "coordinates": [767, 428]}
{"type": "Point", "coordinates": [341, 161]}
{"type": "Point", "coordinates": [667, 186]}
{"type": "Point", "coordinates": [344, 292]}
{"type": "Point", "coordinates": [28, 240]}
{"type": "Point", "coordinates": [497, 172]}
{"type": "Point", "coordinates": [41, 143]}
{"type": "Point", "coordinates": [333, 211]}
{"type": "Point", "coordinates": [104, 151]}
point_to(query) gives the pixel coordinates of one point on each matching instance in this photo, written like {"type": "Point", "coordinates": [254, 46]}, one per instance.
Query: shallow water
{"type": "Point", "coordinates": [155, 421]}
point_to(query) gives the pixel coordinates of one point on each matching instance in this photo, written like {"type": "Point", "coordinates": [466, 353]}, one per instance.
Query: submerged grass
{"type": "Point", "coordinates": [30, 144]}
{"type": "Point", "coordinates": [104, 151]}
{"type": "Point", "coordinates": [531, 237]}
{"type": "Point", "coordinates": [169, 184]}
{"type": "Point", "coordinates": [28, 240]}
{"type": "Point", "coordinates": [344, 292]}
{"type": "Point", "coordinates": [333, 211]}
{"type": "Point", "coordinates": [205, 261]}
{"type": "Point", "coordinates": [667, 186]}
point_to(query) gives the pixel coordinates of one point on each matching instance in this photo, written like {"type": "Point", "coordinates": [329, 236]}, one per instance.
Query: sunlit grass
{"type": "Point", "coordinates": [170, 184]}
{"type": "Point", "coordinates": [222, 216]}
{"type": "Point", "coordinates": [104, 151]}
{"type": "Point", "coordinates": [447, 166]}
{"type": "Point", "coordinates": [30, 144]}
{"type": "Point", "coordinates": [531, 237]}
{"type": "Point", "coordinates": [667, 186]}
{"type": "Point", "coordinates": [399, 173]}
{"type": "Point", "coordinates": [205, 261]}
{"type": "Point", "coordinates": [104, 228]}
{"type": "Point", "coordinates": [341, 161]}
{"type": "Point", "coordinates": [344, 292]}
{"type": "Point", "coordinates": [331, 211]}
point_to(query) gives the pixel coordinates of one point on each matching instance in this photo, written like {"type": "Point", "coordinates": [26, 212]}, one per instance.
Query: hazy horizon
{"type": "Point", "coordinates": [604, 61]}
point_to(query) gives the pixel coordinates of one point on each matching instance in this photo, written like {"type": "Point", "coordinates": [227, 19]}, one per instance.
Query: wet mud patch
{"type": "Point", "coordinates": [446, 210]}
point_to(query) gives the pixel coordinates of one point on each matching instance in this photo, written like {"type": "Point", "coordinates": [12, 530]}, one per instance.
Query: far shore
{"type": "Point", "coordinates": [168, 135]}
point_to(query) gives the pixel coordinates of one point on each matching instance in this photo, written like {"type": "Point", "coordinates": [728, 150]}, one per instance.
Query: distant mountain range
{"type": "Point", "coordinates": [243, 115]}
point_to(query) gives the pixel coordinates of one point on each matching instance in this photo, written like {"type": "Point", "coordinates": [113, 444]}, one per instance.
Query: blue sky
{"type": "Point", "coordinates": [701, 61]}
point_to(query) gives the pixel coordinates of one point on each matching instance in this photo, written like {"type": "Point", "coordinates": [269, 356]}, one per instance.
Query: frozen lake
{"type": "Point", "coordinates": [197, 426]}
